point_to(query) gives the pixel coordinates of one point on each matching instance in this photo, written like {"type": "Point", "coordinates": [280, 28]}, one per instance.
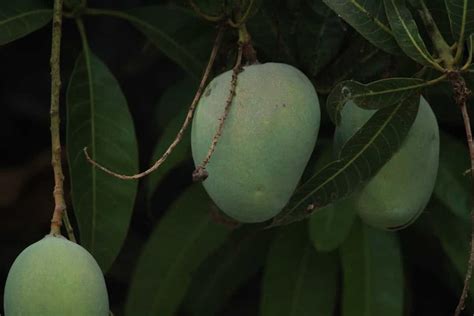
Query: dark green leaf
{"type": "Point", "coordinates": [373, 273]}
{"type": "Point", "coordinates": [298, 281]}
{"type": "Point", "coordinates": [219, 276]}
{"type": "Point", "coordinates": [21, 17]}
{"type": "Point", "coordinates": [177, 246]}
{"type": "Point", "coordinates": [438, 10]}
{"type": "Point", "coordinates": [454, 235]}
{"type": "Point", "coordinates": [360, 159]}
{"type": "Point", "coordinates": [171, 112]}
{"type": "Point", "coordinates": [329, 226]}
{"type": "Point", "coordinates": [181, 36]}
{"type": "Point", "coordinates": [98, 117]}
{"type": "Point", "coordinates": [374, 95]}
{"type": "Point", "coordinates": [461, 17]}
{"type": "Point", "coordinates": [368, 18]}
{"type": "Point", "coordinates": [453, 185]}
{"type": "Point", "coordinates": [406, 32]}
{"type": "Point", "coordinates": [319, 37]}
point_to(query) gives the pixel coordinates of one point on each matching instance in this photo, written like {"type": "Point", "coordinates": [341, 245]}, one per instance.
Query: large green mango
{"type": "Point", "coordinates": [267, 139]}
{"type": "Point", "coordinates": [399, 192]}
{"type": "Point", "coordinates": [55, 277]}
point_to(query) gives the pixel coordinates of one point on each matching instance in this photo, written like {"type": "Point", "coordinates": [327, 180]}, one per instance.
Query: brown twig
{"type": "Point", "coordinates": [461, 95]}
{"type": "Point", "coordinates": [188, 119]}
{"type": "Point", "coordinates": [58, 193]}
{"type": "Point", "coordinates": [200, 172]}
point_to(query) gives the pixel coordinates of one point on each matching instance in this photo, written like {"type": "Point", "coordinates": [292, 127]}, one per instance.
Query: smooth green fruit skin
{"type": "Point", "coordinates": [267, 139]}
{"type": "Point", "coordinates": [399, 192]}
{"type": "Point", "coordinates": [55, 277]}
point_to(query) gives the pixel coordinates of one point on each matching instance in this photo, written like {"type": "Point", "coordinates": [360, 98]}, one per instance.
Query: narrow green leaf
{"type": "Point", "coordinates": [368, 18]}
{"type": "Point", "coordinates": [21, 17]}
{"type": "Point", "coordinates": [180, 35]}
{"type": "Point", "coordinates": [453, 185]}
{"type": "Point", "coordinates": [170, 114]}
{"type": "Point", "coordinates": [177, 246]}
{"type": "Point", "coordinates": [374, 95]}
{"type": "Point", "coordinates": [329, 226]}
{"type": "Point", "coordinates": [298, 281]}
{"type": "Point", "coordinates": [360, 159]}
{"type": "Point", "coordinates": [373, 273]}
{"type": "Point", "coordinates": [461, 17]}
{"type": "Point", "coordinates": [219, 276]}
{"type": "Point", "coordinates": [406, 32]}
{"type": "Point", "coordinates": [98, 118]}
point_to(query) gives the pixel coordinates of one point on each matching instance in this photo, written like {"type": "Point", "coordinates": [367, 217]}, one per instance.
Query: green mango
{"type": "Point", "coordinates": [55, 277]}
{"type": "Point", "coordinates": [399, 192]}
{"type": "Point", "coordinates": [266, 142]}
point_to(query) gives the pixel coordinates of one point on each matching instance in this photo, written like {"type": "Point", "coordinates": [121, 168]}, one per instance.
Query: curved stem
{"type": "Point", "coordinates": [200, 173]}
{"type": "Point", "coordinates": [186, 122]}
{"type": "Point", "coordinates": [56, 161]}
{"type": "Point", "coordinates": [205, 16]}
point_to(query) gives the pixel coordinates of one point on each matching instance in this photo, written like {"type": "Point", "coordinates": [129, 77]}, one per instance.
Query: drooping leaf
{"type": "Point", "coordinates": [170, 114]}
{"type": "Point", "coordinates": [453, 185]}
{"type": "Point", "coordinates": [374, 95]}
{"type": "Point", "coordinates": [180, 35]}
{"type": "Point", "coordinates": [329, 226]}
{"type": "Point", "coordinates": [178, 245]}
{"type": "Point", "coordinates": [320, 35]}
{"type": "Point", "coordinates": [298, 281]}
{"type": "Point", "coordinates": [360, 159]}
{"type": "Point", "coordinates": [21, 17]}
{"type": "Point", "coordinates": [461, 17]}
{"type": "Point", "coordinates": [406, 32]}
{"type": "Point", "coordinates": [373, 273]}
{"type": "Point", "coordinates": [98, 118]}
{"type": "Point", "coordinates": [222, 273]}
{"type": "Point", "coordinates": [454, 235]}
{"type": "Point", "coordinates": [368, 18]}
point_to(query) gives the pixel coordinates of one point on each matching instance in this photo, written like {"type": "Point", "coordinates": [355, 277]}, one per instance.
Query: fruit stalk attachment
{"type": "Point", "coordinates": [59, 202]}
{"type": "Point", "coordinates": [185, 125]}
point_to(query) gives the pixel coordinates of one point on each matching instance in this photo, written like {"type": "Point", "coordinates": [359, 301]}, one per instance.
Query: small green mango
{"type": "Point", "coordinates": [399, 192]}
{"type": "Point", "coordinates": [266, 142]}
{"type": "Point", "coordinates": [55, 277]}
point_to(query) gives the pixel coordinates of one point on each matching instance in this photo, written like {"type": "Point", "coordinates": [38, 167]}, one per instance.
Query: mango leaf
{"type": "Point", "coordinates": [374, 95]}
{"type": "Point", "coordinates": [438, 10]}
{"type": "Point", "coordinates": [368, 18]}
{"type": "Point", "coordinates": [170, 114]}
{"type": "Point", "coordinates": [320, 36]}
{"type": "Point", "coordinates": [406, 32]}
{"type": "Point", "coordinates": [360, 159]}
{"type": "Point", "coordinates": [98, 118]}
{"type": "Point", "coordinates": [329, 226]}
{"type": "Point", "coordinates": [461, 17]}
{"type": "Point", "coordinates": [454, 235]}
{"type": "Point", "coordinates": [222, 273]}
{"type": "Point", "coordinates": [373, 273]}
{"type": "Point", "coordinates": [21, 17]}
{"type": "Point", "coordinates": [453, 186]}
{"type": "Point", "coordinates": [297, 280]}
{"type": "Point", "coordinates": [185, 236]}
{"type": "Point", "coordinates": [180, 35]}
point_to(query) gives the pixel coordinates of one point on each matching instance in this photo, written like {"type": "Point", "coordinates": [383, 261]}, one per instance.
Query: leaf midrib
{"type": "Point", "coordinates": [23, 15]}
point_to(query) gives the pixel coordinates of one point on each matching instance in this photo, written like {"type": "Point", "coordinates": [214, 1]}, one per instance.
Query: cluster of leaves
{"type": "Point", "coordinates": [326, 263]}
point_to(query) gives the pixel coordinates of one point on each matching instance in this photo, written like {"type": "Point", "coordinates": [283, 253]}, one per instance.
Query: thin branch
{"type": "Point", "coordinates": [203, 15]}
{"type": "Point", "coordinates": [461, 94]}
{"type": "Point", "coordinates": [69, 229]}
{"type": "Point", "coordinates": [200, 173]}
{"type": "Point", "coordinates": [56, 162]}
{"type": "Point", "coordinates": [186, 122]}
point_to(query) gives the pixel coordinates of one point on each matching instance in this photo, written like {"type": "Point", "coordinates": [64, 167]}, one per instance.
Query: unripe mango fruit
{"type": "Point", "coordinates": [399, 192]}
{"type": "Point", "coordinates": [266, 142]}
{"type": "Point", "coordinates": [55, 277]}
